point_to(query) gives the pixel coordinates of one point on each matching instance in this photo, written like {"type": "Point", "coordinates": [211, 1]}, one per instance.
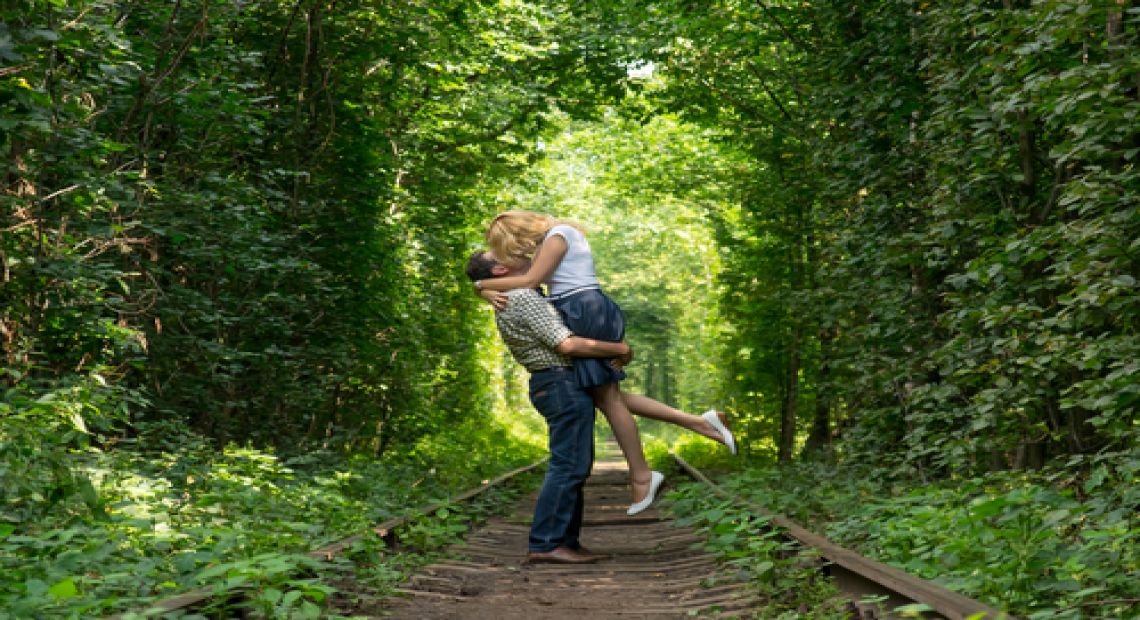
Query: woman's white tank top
{"type": "Point", "coordinates": [576, 271]}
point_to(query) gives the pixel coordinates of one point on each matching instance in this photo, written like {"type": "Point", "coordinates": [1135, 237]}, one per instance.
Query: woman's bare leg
{"type": "Point", "coordinates": [609, 399]}
{"type": "Point", "coordinates": [648, 408]}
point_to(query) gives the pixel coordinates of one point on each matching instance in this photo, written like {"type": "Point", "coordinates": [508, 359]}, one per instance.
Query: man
{"type": "Point", "coordinates": [539, 340]}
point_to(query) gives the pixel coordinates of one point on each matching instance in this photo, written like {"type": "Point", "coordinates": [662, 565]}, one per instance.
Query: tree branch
{"type": "Point", "coordinates": [779, 24]}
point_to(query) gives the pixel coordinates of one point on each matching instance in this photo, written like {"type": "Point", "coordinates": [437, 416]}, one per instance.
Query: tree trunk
{"type": "Point", "coordinates": [819, 439]}
{"type": "Point", "coordinates": [667, 390]}
{"type": "Point", "coordinates": [787, 442]}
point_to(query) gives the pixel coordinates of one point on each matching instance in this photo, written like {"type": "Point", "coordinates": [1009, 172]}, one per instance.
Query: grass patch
{"type": "Point", "coordinates": [177, 514]}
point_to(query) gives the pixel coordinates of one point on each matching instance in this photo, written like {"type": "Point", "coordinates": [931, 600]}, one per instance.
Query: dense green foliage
{"type": "Point", "coordinates": [181, 515]}
{"type": "Point", "coordinates": [937, 248]}
{"type": "Point", "coordinates": [246, 220]}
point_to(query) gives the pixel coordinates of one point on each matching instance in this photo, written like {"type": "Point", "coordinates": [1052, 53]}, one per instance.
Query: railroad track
{"type": "Point", "coordinates": [656, 569]}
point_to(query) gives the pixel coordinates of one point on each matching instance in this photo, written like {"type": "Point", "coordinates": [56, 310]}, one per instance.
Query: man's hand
{"type": "Point", "coordinates": [497, 299]}
{"type": "Point", "coordinates": [622, 361]}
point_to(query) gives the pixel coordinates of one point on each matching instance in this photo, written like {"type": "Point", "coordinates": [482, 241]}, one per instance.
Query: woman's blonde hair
{"type": "Point", "coordinates": [514, 236]}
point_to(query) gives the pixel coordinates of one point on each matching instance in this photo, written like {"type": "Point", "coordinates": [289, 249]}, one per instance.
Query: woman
{"type": "Point", "coordinates": [562, 259]}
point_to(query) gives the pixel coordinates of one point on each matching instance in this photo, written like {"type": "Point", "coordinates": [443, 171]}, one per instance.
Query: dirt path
{"type": "Point", "coordinates": [656, 570]}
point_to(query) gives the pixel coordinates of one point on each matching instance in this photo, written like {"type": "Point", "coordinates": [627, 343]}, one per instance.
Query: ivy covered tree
{"type": "Point", "coordinates": [245, 219]}
{"type": "Point", "coordinates": [937, 251]}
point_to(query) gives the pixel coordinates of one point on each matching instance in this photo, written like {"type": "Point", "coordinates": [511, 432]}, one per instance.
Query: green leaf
{"type": "Point", "coordinates": [271, 595]}
{"type": "Point", "coordinates": [1055, 516]}
{"type": "Point", "coordinates": [64, 589]}
{"type": "Point", "coordinates": [913, 610]}
{"type": "Point", "coordinates": [290, 598]}
{"type": "Point", "coordinates": [309, 610]}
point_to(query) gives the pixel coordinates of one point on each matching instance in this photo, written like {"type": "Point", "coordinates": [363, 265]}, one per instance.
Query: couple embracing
{"type": "Point", "coordinates": [572, 343]}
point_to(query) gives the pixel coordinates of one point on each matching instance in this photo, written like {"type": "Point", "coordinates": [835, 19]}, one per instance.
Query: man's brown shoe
{"type": "Point", "coordinates": [560, 555]}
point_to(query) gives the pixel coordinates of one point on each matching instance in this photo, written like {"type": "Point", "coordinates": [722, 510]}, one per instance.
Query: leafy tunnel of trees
{"type": "Point", "coordinates": [248, 218]}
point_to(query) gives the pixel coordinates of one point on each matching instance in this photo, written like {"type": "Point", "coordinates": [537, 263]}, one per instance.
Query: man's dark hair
{"type": "Point", "coordinates": [479, 266]}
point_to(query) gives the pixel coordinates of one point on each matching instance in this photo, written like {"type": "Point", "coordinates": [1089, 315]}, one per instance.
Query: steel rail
{"type": "Point", "coordinates": [385, 530]}
{"type": "Point", "coordinates": [855, 573]}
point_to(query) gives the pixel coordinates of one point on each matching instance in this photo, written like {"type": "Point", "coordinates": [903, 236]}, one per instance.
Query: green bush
{"type": "Point", "coordinates": [1056, 543]}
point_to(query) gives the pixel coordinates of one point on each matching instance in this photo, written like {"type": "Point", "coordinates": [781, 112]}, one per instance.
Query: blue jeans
{"type": "Point", "coordinates": [569, 413]}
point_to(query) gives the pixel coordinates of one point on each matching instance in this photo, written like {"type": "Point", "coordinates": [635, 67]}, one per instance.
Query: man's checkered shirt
{"type": "Point", "coordinates": [531, 327]}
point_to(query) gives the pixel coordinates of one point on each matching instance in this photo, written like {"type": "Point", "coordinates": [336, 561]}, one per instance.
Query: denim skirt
{"type": "Point", "coordinates": [591, 314]}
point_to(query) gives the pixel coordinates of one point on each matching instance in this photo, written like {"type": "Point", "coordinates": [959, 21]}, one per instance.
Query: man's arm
{"type": "Point", "coordinates": [577, 346]}
{"type": "Point", "coordinates": [546, 324]}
